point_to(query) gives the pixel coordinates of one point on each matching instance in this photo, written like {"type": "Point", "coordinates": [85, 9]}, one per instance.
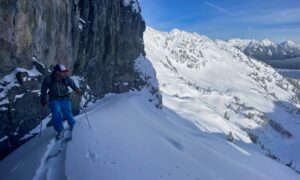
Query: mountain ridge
{"type": "Point", "coordinates": [267, 50]}
{"type": "Point", "coordinates": [220, 89]}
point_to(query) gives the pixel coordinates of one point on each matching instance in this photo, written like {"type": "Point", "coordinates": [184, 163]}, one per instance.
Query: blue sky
{"type": "Point", "coordinates": [277, 20]}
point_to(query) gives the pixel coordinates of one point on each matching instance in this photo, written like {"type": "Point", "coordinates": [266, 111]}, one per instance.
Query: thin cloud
{"type": "Point", "coordinates": [220, 9]}
{"type": "Point", "coordinates": [282, 16]}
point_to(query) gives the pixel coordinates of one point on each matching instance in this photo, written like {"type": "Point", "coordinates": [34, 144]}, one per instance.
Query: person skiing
{"type": "Point", "coordinates": [59, 97]}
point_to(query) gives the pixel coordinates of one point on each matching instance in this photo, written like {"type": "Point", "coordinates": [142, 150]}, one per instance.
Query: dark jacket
{"type": "Point", "coordinates": [58, 87]}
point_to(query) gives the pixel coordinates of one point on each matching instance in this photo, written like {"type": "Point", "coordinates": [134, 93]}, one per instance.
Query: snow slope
{"type": "Point", "coordinates": [221, 90]}
{"type": "Point", "coordinates": [131, 139]}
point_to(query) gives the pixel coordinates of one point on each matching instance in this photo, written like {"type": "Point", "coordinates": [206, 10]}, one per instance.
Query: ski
{"type": "Point", "coordinates": [59, 144]}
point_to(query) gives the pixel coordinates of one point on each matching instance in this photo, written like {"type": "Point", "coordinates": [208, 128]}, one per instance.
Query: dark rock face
{"type": "Point", "coordinates": [97, 40]}
{"type": "Point", "coordinates": [108, 52]}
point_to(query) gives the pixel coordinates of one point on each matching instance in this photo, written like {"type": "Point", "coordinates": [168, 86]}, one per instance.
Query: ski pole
{"type": "Point", "coordinates": [41, 124]}
{"type": "Point", "coordinates": [85, 114]}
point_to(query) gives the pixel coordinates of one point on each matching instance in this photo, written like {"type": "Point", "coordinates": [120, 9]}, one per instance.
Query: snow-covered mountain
{"type": "Point", "coordinates": [266, 49]}
{"type": "Point", "coordinates": [220, 90]}
{"type": "Point", "coordinates": [211, 93]}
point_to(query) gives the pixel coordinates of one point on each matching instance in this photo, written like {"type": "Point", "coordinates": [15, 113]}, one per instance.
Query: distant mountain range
{"type": "Point", "coordinates": [267, 50]}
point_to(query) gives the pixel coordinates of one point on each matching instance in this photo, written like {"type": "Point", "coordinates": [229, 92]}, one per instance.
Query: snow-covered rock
{"type": "Point", "coordinates": [134, 5]}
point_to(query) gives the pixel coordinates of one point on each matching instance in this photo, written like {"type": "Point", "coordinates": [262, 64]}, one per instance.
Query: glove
{"type": "Point", "coordinates": [43, 103]}
{"type": "Point", "coordinates": [78, 91]}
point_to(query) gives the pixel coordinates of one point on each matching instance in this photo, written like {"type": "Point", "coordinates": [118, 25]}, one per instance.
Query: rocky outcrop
{"type": "Point", "coordinates": [98, 40]}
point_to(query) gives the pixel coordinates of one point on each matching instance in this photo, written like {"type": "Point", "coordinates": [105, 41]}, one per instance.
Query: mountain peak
{"type": "Point", "coordinates": [175, 31]}
{"type": "Point", "coordinates": [289, 43]}
{"type": "Point", "coordinates": [267, 42]}
{"type": "Point", "coordinates": [266, 49]}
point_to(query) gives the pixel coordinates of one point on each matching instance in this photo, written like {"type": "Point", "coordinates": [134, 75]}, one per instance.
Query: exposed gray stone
{"type": "Point", "coordinates": [96, 39]}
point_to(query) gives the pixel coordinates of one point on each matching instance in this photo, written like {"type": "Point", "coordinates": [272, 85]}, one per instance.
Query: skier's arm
{"type": "Point", "coordinates": [72, 84]}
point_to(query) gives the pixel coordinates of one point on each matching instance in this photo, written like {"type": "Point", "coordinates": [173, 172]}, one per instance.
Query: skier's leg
{"type": "Point", "coordinates": [67, 111]}
{"type": "Point", "coordinates": [56, 115]}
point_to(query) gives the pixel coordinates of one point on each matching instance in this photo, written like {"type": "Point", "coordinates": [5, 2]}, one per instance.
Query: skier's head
{"type": "Point", "coordinates": [60, 69]}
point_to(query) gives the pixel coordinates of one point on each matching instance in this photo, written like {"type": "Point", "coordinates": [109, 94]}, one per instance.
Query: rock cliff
{"type": "Point", "coordinates": [98, 40]}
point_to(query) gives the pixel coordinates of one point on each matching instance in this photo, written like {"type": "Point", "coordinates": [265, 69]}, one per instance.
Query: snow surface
{"type": "Point", "coordinates": [3, 139]}
{"type": "Point", "coordinates": [40, 63]}
{"type": "Point", "coordinates": [267, 42]}
{"type": "Point", "coordinates": [290, 44]}
{"type": "Point", "coordinates": [18, 96]}
{"type": "Point", "coordinates": [36, 130]}
{"type": "Point", "coordinates": [139, 142]}
{"type": "Point", "coordinates": [81, 23]}
{"type": "Point", "coordinates": [245, 43]}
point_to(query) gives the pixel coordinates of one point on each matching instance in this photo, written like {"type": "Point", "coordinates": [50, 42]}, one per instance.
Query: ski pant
{"type": "Point", "coordinates": [61, 108]}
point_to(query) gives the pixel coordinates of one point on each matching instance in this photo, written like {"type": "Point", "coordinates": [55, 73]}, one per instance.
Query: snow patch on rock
{"type": "Point", "coordinates": [134, 5]}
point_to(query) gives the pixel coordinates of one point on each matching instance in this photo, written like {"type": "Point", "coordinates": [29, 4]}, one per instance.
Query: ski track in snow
{"type": "Point", "coordinates": [41, 169]}
{"type": "Point", "coordinates": [54, 167]}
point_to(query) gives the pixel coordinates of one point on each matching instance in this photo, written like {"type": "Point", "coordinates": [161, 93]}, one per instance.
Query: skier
{"type": "Point", "coordinates": [59, 97]}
